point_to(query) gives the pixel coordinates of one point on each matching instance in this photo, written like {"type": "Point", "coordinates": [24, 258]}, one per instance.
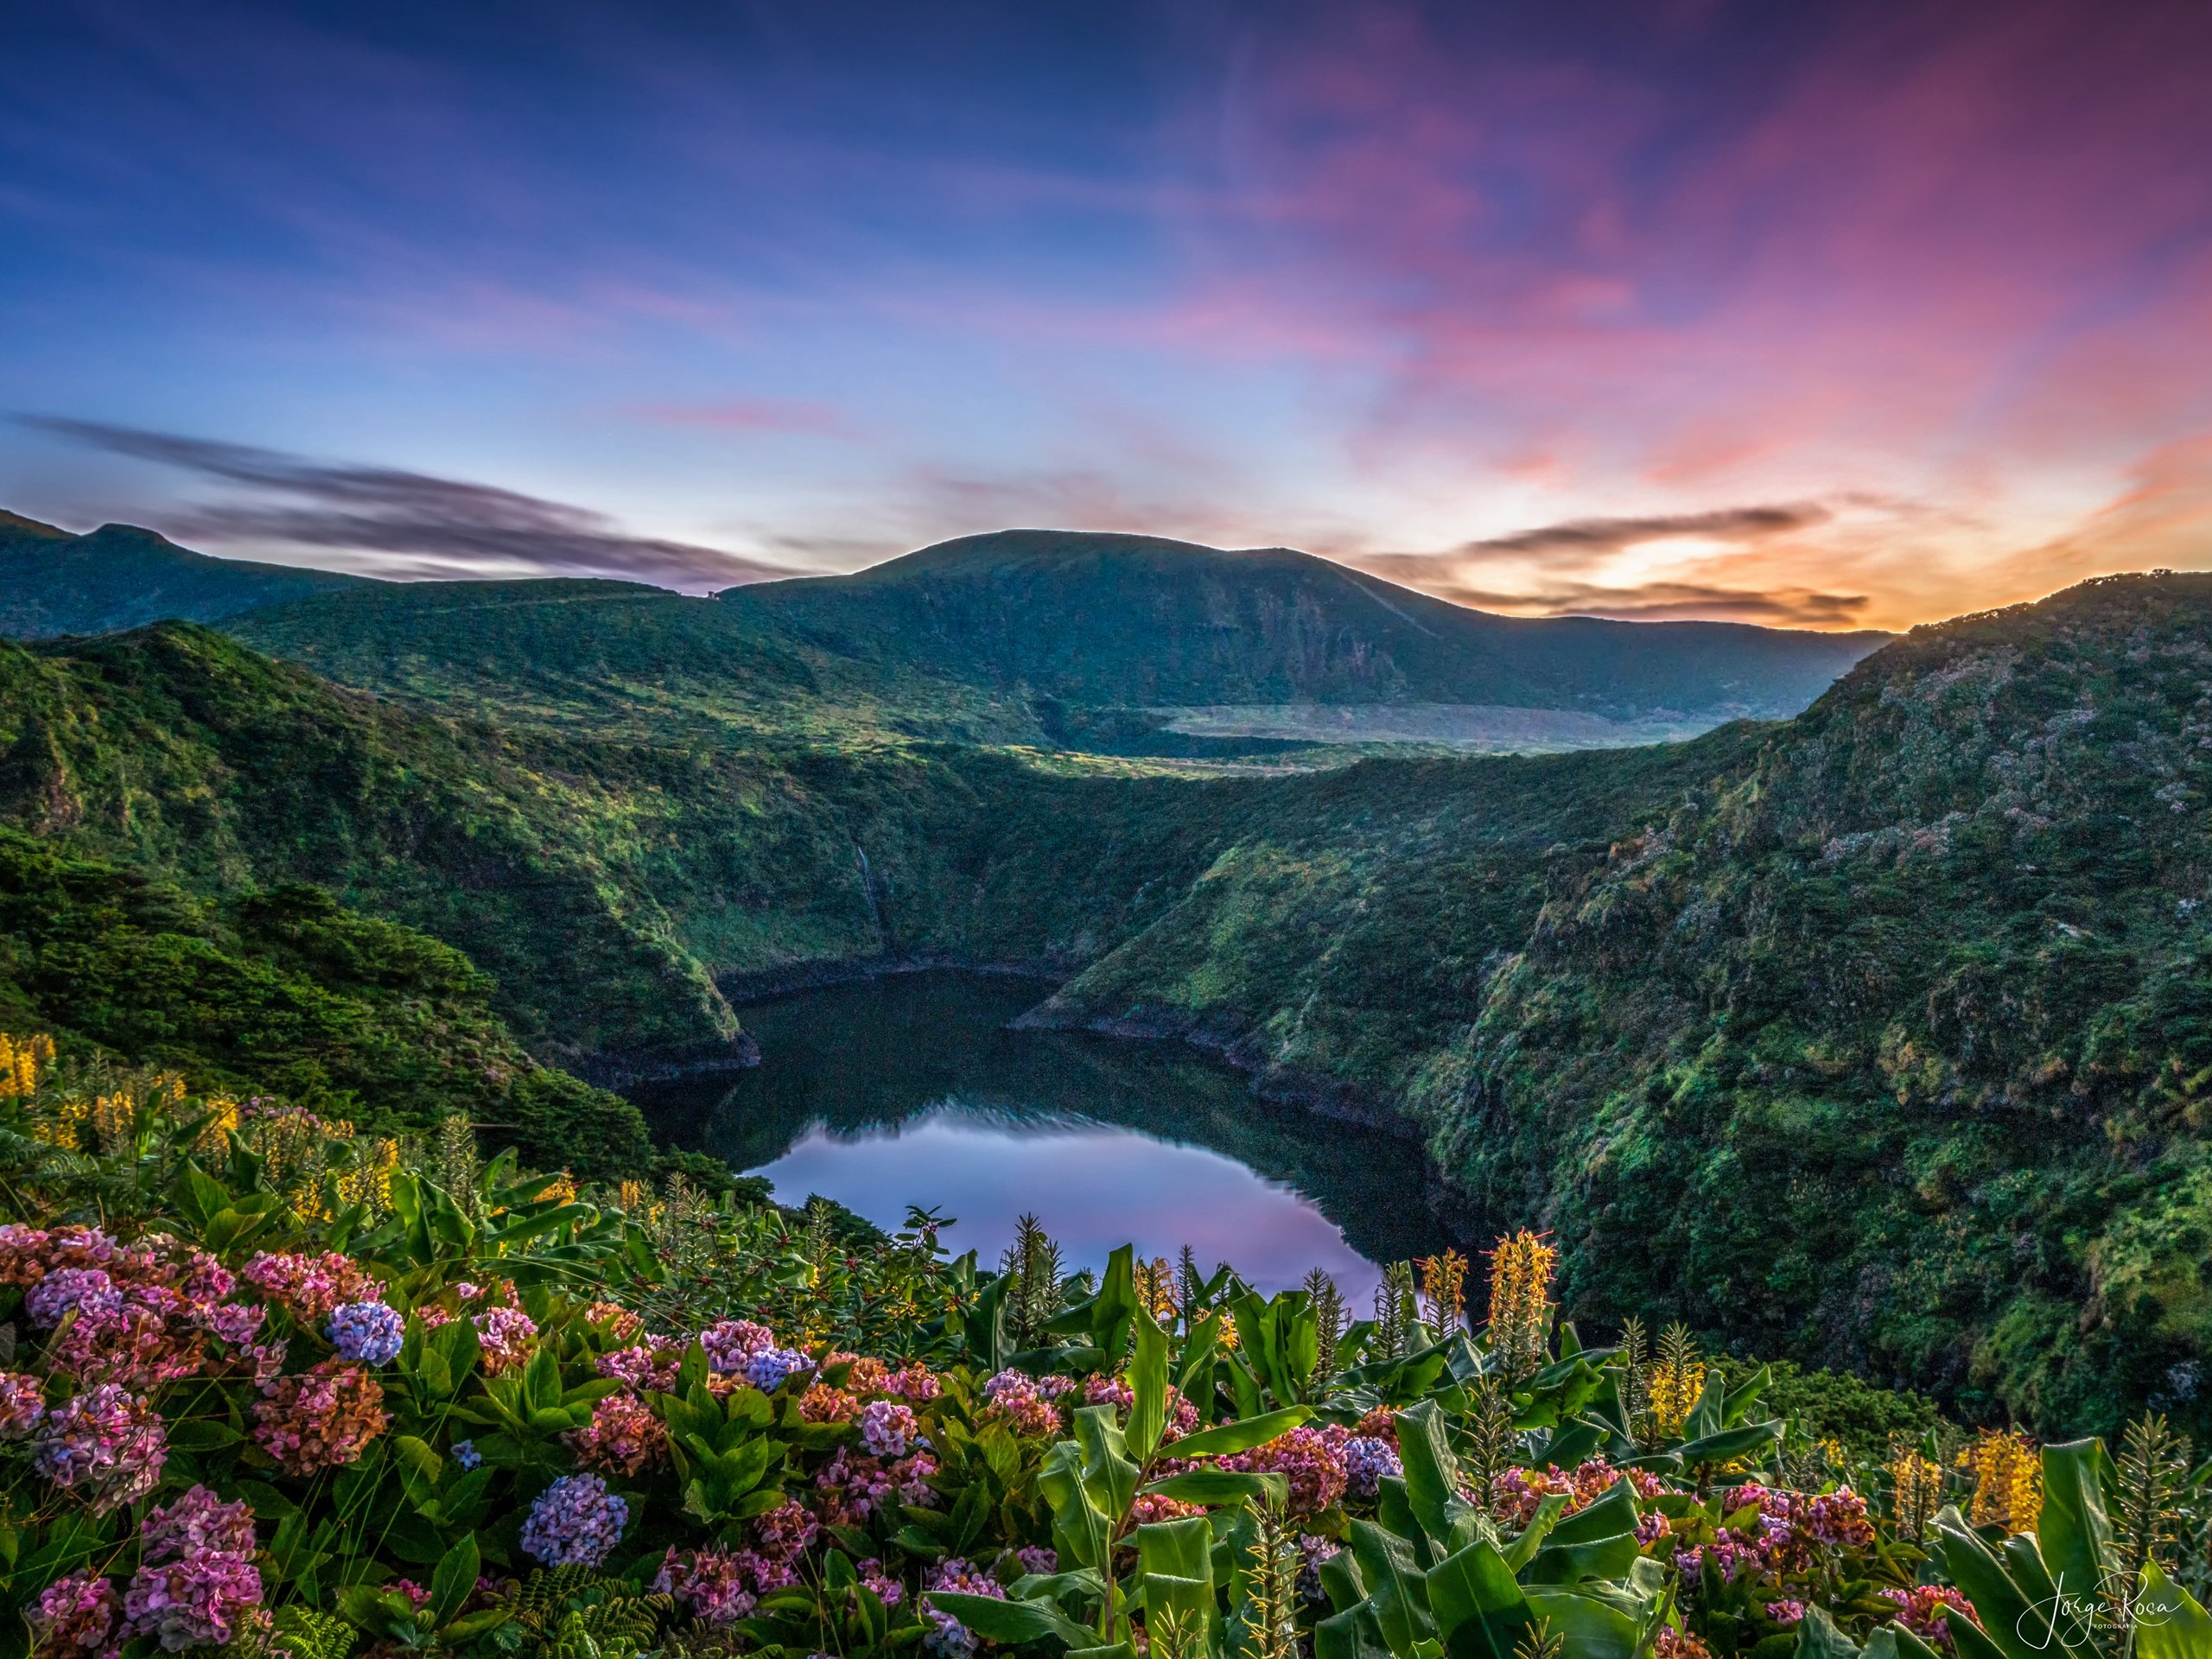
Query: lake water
{"type": "Point", "coordinates": [909, 1089]}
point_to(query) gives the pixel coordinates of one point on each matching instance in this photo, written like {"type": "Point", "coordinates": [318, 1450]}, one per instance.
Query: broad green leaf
{"type": "Point", "coordinates": [1396, 1587]}
{"type": "Point", "coordinates": [1217, 1486]}
{"type": "Point", "coordinates": [2168, 1624]}
{"type": "Point", "coordinates": [1116, 1307]}
{"type": "Point", "coordinates": [2003, 1610]}
{"type": "Point", "coordinates": [1431, 1470]}
{"type": "Point", "coordinates": [1013, 1621]}
{"type": "Point", "coordinates": [2072, 1531]}
{"type": "Point", "coordinates": [1356, 1633]}
{"type": "Point", "coordinates": [1242, 1435]}
{"type": "Point", "coordinates": [454, 1580]}
{"type": "Point", "coordinates": [1480, 1611]}
{"type": "Point", "coordinates": [1589, 1628]}
{"type": "Point", "coordinates": [1148, 1381]}
{"type": "Point", "coordinates": [1728, 1444]}
{"type": "Point", "coordinates": [1818, 1638]}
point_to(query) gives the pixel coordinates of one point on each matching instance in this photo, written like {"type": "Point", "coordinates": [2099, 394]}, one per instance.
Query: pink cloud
{"type": "Point", "coordinates": [755, 415]}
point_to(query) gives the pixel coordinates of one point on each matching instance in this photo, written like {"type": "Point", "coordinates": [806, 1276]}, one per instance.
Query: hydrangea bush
{"type": "Point", "coordinates": [461, 1407]}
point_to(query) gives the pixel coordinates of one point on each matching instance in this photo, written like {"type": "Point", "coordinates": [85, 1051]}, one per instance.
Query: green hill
{"type": "Point", "coordinates": [1101, 621]}
{"type": "Point", "coordinates": [1875, 1036]}
{"type": "Point", "coordinates": [116, 577]}
{"type": "Point", "coordinates": [1885, 1042]}
{"type": "Point", "coordinates": [1085, 642]}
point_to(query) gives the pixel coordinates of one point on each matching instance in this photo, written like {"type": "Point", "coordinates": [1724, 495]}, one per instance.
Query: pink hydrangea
{"type": "Point", "coordinates": [28, 1254]}
{"type": "Point", "coordinates": [320, 1419]}
{"type": "Point", "coordinates": [648, 1366]}
{"type": "Point", "coordinates": [623, 1437]}
{"type": "Point", "coordinates": [75, 1618]}
{"type": "Point", "coordinates": [785, 1533]}
{"type": "Point", "coordinates": [22, 1402]}
{"type": "Point", "coordinates": [1103, 1390]}
{"type": "Point", "coordinates": [731, 1343]}
{"type": "Point", "coordinates": [309, 1286]}
{"type": "Point", "coordinates": [885, 1588]}
{"type": "Point", "coordinates": [888, 1427]}
{"type": "Point", "coordinates": [1022, 1403]}
{"type": "Point", "coordinates": [196, 1523]}
{"type": "Point", "coordinates": [133, 1343]}
{"type": "Point", "coordinates": [235, 1323]}
{"type": "Point", "coordinates": [507, 1335]}
{"type": "Point", "coordinates": [1308, 1458]}
{"type": "Point", "coordinates": [107, 1441]}
{"type": "Point", "coordinates": [197, 1602]}
{"type": "Point", "coordinates": [914, 1381]}
{"type": "Point", "coordinates": [1926, 1611]}
{"type": "Point", "coordinates": [63, 1292]}
{"type": "Point", "coordinates": [718, 1586]}
{"type": "Point", "coordinates": [852, 1488]}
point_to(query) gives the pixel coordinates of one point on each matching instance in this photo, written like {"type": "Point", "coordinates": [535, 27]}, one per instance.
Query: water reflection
{"type": "Point", "coordinates": [909, 1091]}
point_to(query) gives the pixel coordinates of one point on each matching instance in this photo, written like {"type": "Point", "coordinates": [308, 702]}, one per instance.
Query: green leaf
{"type": "Point", "coordinates": [1148, 1381]}
{"type": "Point", "coordinates": [1726, 1445]}
{"type": "Point", "coordinates": [1480, 1611]}
{"type": "Point", "coordinates": [1116, 1307]}
{"type": "Point", "coordinates": [1013, 1621]}
{"type": "Point", "coordinates": [1397, 1586]}
{"type": "Point", "coordinates": [1217, 1486]}
{"type": "Point", "coordinates": [454, 1580]}
{"type": "Point", "coordinates": [1242, 1435]}
{"type": "Point", "coordinates": [1818, 1638]}
{"type": "Point", "coordinates": [2072, 1531]}
{"type": "Point", "coordinates": [2168, 1624]}
{"type": "Point", "coordinates": [1432, 1471]}
{"type": "Point", "coordinates": [1356, 1633]}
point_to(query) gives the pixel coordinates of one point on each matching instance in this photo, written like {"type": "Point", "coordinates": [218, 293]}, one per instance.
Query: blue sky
{"type": "Point", "coordinates": [1822, 314]}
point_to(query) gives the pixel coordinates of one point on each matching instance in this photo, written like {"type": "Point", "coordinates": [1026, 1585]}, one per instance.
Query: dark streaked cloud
{"type": "Point", "coordinates": [1668, 601]}
{"type": "Point", "coordinates": [1582, 537]}
{"type": "Point", "coordinates": [412, 524]}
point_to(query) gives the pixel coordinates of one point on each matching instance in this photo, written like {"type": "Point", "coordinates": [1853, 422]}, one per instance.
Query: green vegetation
{"type": "Point", "coordinates": [327, 1393]}
{"type": "Point", "coordinates": [1874, 1040]}
{"type": "Point", "coordinates": [53, 582]}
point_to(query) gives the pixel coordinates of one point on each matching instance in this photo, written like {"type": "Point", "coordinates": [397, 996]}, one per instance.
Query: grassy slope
{"type": "Point", "coordinates": [53, 582]}
{"type": "Point", "coordinates": [283, 991]}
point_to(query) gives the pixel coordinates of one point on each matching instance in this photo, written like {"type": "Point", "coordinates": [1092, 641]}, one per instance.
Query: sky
{"type": "Point", "coordinates": [1814, 314]}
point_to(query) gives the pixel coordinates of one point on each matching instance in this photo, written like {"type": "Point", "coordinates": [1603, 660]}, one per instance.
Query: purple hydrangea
{"type": "Point", "coordinates": [576, 1522]}
{"type": "Point", "coordinates": [195, 1525]}
{"type": "Point", "coordinates": [368, 1332]}
{"type": "Point", "coordinates": [767, 1370]}
{"type": "Point", "coordinates": [76, 1615]}
{"type": "Point", "coordinates": [885, 1588]}
{"type": "Point", "coordinates": [106, 1440]}
{"type": "Point", "coordinates": [64, 1291]}
{"type": "Point", "coordinates": [22, 1402]}
{"type": "Point", "coordinates": [730, 1343]}
{"type": "Point", "coordinates": [886, 1427]}
{"type": "Point", "coordinates": [1367, 1460]}
{"type": "Point", "coordinates": [1037, 1558]}
{"type": "Point", "coordinates": [466, 1454]}
{"type": "Point", "coordinates": [236, 1323]}
{"type": "Point", "coordinates": [951, 1639]}
{"type": "Point", "coordinates": [198, 1601]}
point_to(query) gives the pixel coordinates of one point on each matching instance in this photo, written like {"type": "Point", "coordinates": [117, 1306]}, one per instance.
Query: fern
{"type": "Point", "coordinates": [306, 1633]}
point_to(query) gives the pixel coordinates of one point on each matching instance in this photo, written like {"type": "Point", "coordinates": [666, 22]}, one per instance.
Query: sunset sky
{"type": "Point", "coordinates": [1826, 316]}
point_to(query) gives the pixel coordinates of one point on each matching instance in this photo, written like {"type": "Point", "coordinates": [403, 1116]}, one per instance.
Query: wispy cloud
{"type": "Point", "coordinates": [410, 524]}
{"type": "Point", "coordinates": [1589, 537]}
{"type": "Point", "coordinates": [1664, 601]}
{"type": "Point", "coordinates": [755, 414]}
